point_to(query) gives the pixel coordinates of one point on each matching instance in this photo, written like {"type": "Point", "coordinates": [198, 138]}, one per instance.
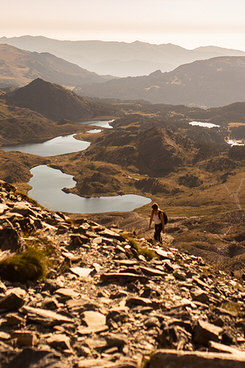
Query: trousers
{"type": "Point", "coordinates": [157, 233]}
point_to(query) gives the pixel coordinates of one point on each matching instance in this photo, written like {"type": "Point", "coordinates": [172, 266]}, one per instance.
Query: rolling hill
{"type": "Point", "coordinates": [55, 102]}
{"type": "Point", "coordinates": [19, 67]}
{"type": "Point", "coordinates": [119, 58]}
{"type": "Point", "coordinates": [207, 83]}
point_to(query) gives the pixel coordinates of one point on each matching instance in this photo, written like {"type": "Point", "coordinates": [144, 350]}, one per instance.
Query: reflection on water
{"type": "Point", "coordinates": [99, 123]}
{"type": "Point", "coordinates": [59, 145]}
{"type": "Point", "coordinates": [94, 131]}
{"type": "Point", "coordinates": [204, 125]}
{"type": "Point", "coordinates": [56, 146]}
{"type": "Point", "coordinates": [47, 184]}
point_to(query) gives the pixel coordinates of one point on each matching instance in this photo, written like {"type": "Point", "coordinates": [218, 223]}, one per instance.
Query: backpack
{"type": "Point", "coordinates": [165, 217]}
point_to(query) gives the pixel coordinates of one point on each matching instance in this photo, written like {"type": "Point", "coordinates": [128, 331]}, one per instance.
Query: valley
{"type": "Point", "coordinates": [152, 151]}
{"type": "Point", "coordinates": [83, 157]}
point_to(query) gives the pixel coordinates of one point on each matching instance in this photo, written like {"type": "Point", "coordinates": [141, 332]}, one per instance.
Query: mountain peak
{"type": "Point", "coordinates": [157, 73]}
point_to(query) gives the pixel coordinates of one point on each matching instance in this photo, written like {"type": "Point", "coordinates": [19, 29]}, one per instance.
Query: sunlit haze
{"type": "Point", "coordinates": [188, 23]}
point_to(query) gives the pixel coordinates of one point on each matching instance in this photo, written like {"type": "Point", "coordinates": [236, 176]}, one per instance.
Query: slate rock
{"type": "Point", "coordinates": [95, 322]}
{"type": "Point", "coordinates": [59, 342]}
{"type": "Point", "coordinates": [11, 302]}
{"type": "Point", "coordinates": [204, 332]}
{"type": "Point", "coordinates": [25, 338]}
{"type": "Point", "coordinates": [34, 358]}
{"type": "Point", "coordinates": [80, 271]}
{"type": "Point", "coordinates": [9, 239]}
{"type": "Point", "coordinates": [45, 317]}
{"type": "Point", "coordinates": [190, 359]}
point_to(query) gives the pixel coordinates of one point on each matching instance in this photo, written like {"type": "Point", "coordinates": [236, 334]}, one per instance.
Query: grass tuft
{"type": "Point", "coordinates": [31, 265]}
{"type": "Point", "coordinates": [142, 250]}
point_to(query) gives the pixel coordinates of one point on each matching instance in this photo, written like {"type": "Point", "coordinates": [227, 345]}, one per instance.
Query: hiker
{"type": "Point", "coordinates": [157, 217]}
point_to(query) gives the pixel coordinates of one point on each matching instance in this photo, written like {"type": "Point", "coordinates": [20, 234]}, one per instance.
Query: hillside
{"type": "Point", "coordinates": [55, 102]}
{"type": "Point", "coordinates": [207, 83]}
{"type": "Point", "coordinates": [19, 67]}
{"type": "Point", "coordinates": [90, 296]}
{"type": "Point", "coordinates": [119, 58]}
{"type": "Point", "coordinates": [22, 125]}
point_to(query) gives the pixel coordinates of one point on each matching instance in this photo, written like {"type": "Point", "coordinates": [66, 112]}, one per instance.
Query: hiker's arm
{"type": "Point", "coordinates": [151, 219]}
{"type": "Point", "coordinates": [163, 225]}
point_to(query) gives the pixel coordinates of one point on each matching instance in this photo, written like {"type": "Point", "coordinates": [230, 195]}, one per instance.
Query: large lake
{"type": "Point", "coordinates": [47, 184]}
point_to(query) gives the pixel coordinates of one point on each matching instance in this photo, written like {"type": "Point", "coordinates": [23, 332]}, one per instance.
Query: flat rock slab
{"type": "Point", "coordinates": [204, 332]}
{"type": "Point", "coordinates": [103, 363]}
{"type": "Point", "coordinates": [81, 272]}
{"type": "Point", "coordinates": [134, 301]}
{"type": "Point", "coordinates": [3, 208]}
{"type": "Point", "coordinates": [30, 358]}
{"type": "Point", "coordinates": [67, 293]}
{"type": "Point", "coordinates": [190, 359]}
{"type": "Point", "coordinates": [221, 348]}
{"type": "Point", "coordinates": [4, 335]}
{"type": "Point", "coordinates": [98, 363]}
{"type": "Point", "coordinates": [11, 302]}
{"type": "Point", "coordinates": [152, 271]}
{"type": "Point", "coordinates": [59, 341]}
{"type": "Point", "coordinates": [94, 319]}
{"type": "Point", "coordinates": [44, 316]}
{"type": "Point", "coordinates": [110, 234]}
{"type": "Point", "coordinates": [163, 254]}
{"type": "Point", "coordinates": [126, 277]}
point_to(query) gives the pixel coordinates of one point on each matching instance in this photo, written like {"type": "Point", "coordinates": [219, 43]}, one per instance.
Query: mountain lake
{"type": "Point", "coordinates": [47, 183]}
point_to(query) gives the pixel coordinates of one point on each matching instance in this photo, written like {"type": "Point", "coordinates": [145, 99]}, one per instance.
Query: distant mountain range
{"type": "Point", "coordinates": [119, 58]}
{"type": "Point", "coordinates": [206, 83]}
{"type": "Point", "coordinates": [19, 67]}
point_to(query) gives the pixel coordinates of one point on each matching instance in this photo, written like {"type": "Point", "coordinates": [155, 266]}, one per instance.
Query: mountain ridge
{"type": "Point", "coordinates": [119, 58]}
{"type": "Point", "coordinates": [19, 67]}
{"type": "Point", "coordinates": [205, 83]}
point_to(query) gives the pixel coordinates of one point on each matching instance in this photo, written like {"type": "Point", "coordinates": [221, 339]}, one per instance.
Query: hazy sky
{"type": "Point", "coordinates": [189, 23]}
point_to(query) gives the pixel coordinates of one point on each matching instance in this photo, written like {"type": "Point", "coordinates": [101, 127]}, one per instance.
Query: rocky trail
{"type": "Point", "coordinates": [235, 195]}
{"type": "Point", "coordinates": [111, 301]}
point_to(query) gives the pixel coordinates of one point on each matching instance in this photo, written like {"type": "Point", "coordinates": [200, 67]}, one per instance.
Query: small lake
{"type": "Point", "coordinates": [204, 125]}
{"type": "Point", "coordinates": [56, 146]}
{"type": "Point", "coordinates": [59, 145]}
{"type": "Point", "coordinates": [47, 184]}
{"type": "Point", "coordinates": [234, 142]}
{"type": "Point", "coordinates": [99, 123]}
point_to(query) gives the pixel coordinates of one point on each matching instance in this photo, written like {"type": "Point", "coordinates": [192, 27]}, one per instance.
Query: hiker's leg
{"type": "Point", "coordinates": [155, 233]}
{"type": "Point", "coordinates": [158, 229]}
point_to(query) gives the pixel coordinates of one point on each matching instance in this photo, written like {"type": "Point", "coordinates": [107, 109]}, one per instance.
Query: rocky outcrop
{"type": "Point", "coordinates": [106, 302]}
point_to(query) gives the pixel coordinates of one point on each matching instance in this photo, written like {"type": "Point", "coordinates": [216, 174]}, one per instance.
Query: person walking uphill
{"type": "Point", "coordinates": [157, 217]}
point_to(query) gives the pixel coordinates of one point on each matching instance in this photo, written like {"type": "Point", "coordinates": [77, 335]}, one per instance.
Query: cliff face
{"type": "Point", "coordinates": [108, 300]}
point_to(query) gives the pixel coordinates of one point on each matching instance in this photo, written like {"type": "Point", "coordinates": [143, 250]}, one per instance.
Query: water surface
{"type": "Point", "coordinates": [56, 146]}
{"type": "Point", "coordinates": [47, 184]}
{"type": "Point", "coordinates": [204, 125]}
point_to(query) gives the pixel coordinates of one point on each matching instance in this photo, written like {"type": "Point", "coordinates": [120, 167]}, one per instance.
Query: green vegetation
{"type": "Point", "coordinates": [140, 249]}
{"type": "Point", "coordinates": [231, 307]}
{"type": "Point", "coordinates": [30, 265]}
